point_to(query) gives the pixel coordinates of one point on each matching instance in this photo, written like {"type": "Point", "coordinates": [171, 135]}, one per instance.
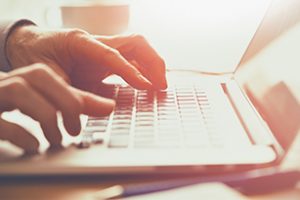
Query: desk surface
{"type": "Point", "coordinates": [45, 189]}
{"type": "Point", "coordinates": [82, 191]}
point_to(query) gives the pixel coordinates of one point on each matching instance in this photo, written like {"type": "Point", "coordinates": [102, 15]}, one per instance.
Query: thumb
{"type": "Point", "coordinates": [94, 105]}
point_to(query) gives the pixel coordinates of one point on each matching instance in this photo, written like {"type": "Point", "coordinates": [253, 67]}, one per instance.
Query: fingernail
{"type": "Point", "coordinates": [32, 148]}
{"type": "Point", "coordinates": [76, 127]}
{"type": "Point", "coordinates": [164, 84]}
{"type": "Point", "coordinates": [54, 148]}
{"type": "Point", "coordinates": [31, 152]}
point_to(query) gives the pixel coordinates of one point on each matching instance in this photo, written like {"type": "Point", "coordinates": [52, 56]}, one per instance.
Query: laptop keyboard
{"type": "Point", "coordinates": [180, 116]}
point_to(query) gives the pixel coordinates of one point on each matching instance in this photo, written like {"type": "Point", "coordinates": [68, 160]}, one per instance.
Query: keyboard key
{"type": "Point", "coordinates": [118, 142]}
{"type": "Point", "coordinates": [143, 130]}
{"type": "Point", "coordinates": [168, 144]}
{"type": "Point", "coordinates": [149, 139]}
{"type": "Point", "coordinates": [94, 129]}
{"type": "Point", "coordinates": [180, 115]}
{"type": "Point", "coordinates": [98, 118]}
{"type": "Point", "coordinates": [97, 138]}
{"type": "Point", "coordinates": [96, 123]}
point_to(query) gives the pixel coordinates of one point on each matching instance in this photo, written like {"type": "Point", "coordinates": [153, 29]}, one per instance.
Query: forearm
{"type": "Point", "coordinates": [6, 28]}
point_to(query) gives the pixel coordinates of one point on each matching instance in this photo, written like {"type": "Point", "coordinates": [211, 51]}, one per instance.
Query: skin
{"type": "Point", "coordinates": [70, 63]}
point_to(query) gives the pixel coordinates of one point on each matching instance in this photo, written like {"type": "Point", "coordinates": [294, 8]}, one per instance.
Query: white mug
{"type": "Point", "coordinates": [96, 17]}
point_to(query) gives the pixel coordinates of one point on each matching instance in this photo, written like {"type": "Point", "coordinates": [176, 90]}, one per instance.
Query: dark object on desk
{"type": "Point", "coordinates": [250, 183]}
{"type": "Point", "coordinates": [266, 182]}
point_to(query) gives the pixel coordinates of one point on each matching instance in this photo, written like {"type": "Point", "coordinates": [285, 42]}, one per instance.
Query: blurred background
{"type": "Point", "coordinates": [207, 35]}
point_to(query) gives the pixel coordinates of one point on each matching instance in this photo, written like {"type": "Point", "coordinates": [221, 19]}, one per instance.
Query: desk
{"type": "Point", "coordinates": [81, 190]}
{"type": "Point", "coordinates": [65, 190]}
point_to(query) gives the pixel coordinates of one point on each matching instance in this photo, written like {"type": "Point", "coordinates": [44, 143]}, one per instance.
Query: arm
{"type": "Point", "coordinates": [6, 27]}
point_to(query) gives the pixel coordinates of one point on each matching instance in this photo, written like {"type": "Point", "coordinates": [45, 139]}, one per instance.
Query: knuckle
{"type": "Point", "coordinates": [39, 65]}
{"type": "Point", "coordinates": [73, 39]}
{"type": "Point", "coordinates": [75, 33]}
{"type": "Point", "coordinates": [17, 85]}
{"type": "Point", "coordinates": [139, 38]}
{"type": "Point", "coordinates": [40, 71]}
{"type": "Point", "coordinates": [111, 53]}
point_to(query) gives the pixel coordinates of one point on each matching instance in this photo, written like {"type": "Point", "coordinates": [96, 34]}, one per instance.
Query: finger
{"type": "Point", "coordinates": [17, 93]}
{"type": "Point", "coordinates": [136, 47]}
{"type": "Point", "coordinates": [56, 91]}
{"type": "Point", "coordinates": [2, 75]}
{"type": "Point", "coordinates": [102, 55]}
{"type": "Point", "coordinates": [59, 71]}
{"type": "Point", "coordinates": [18, 136]}
{"type": "Point", "coordinates": [94, 105]}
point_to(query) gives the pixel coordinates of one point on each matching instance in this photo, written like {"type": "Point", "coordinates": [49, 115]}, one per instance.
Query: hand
{"type": "Point", "coordinates": [83, 59]}
{"type": "Point", "coordinates": [39, 92]}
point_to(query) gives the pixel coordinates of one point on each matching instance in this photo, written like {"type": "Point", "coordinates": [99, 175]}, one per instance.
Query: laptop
{"type": "Point", "coordinates": [201, 123]}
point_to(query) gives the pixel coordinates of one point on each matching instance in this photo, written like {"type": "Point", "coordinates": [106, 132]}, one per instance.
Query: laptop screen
{"type": "Point", "coordinates": [269, 73]}
{"type": "Point", "coordinates": [204, 35]}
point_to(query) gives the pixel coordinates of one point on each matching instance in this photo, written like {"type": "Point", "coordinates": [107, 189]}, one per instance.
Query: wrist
{"type": "Point", "coordinates": [18, 38]}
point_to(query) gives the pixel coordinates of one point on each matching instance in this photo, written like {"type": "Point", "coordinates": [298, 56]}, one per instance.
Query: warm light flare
{"type": "Point", "coordinates": [192, 34]}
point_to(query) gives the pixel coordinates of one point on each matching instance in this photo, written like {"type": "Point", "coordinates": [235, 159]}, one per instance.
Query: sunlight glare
{"type": "Point", "coordinates": [194, 33]}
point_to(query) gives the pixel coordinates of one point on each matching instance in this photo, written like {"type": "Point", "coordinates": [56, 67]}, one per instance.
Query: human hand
{"type": "Point", "coordinates": [37, 91]}
{"type": "Point", "coordinates": [83, 59]}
